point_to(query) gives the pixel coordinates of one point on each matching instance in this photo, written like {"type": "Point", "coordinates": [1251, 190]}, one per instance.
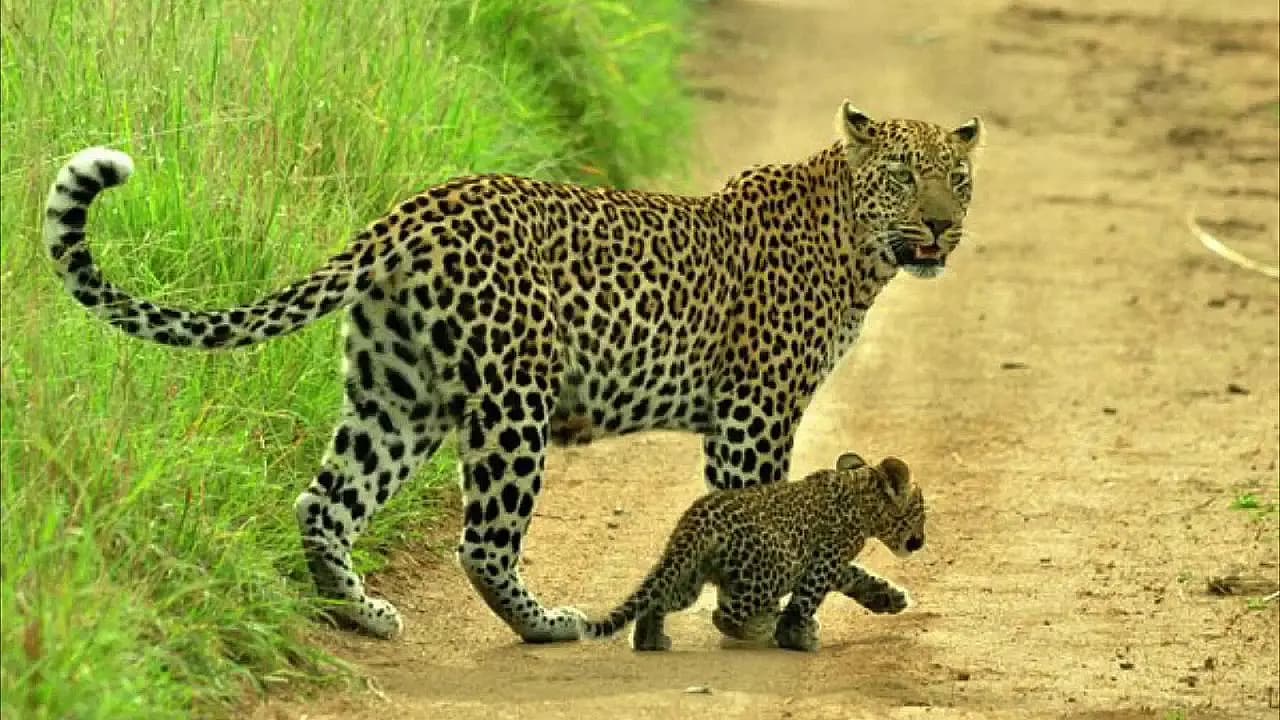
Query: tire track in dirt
{"type": "Point", "coordinates": [1060, 393]}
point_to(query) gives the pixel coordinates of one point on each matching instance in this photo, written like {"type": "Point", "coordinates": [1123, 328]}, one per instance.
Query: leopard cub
{"type": "Point", "coordinates": [761, 543]}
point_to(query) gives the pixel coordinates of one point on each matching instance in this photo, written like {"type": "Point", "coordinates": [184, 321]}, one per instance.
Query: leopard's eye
{"type": "Point", "coordinates": [960, 175]}
{"type": "Point", "coordinates": [902, 174]}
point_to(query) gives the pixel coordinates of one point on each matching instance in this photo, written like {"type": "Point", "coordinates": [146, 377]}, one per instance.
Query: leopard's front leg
{"type": "Point", "coordinates": [753, 437]}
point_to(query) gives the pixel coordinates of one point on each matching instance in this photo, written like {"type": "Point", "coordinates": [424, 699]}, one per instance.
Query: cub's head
{"type": "Point", "coordinates": [912, 182]}
{"type": "Point", "coordinates": [894, 509]}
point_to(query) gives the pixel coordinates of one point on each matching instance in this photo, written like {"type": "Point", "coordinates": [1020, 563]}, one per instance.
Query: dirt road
{"type": "Point", "coordinates": [1083, 395]}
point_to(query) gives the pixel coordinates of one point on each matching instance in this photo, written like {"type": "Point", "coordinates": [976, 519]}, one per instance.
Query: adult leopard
{"type": "Point", "coordinates": [520, 313]}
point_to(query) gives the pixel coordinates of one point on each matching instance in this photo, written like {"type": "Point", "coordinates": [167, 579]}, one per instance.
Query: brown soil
{"type": "Point", "coordinates": [1082, 395]}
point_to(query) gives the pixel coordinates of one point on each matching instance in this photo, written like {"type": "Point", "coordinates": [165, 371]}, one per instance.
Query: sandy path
{"type": "Point", "coordinates": [1061, 393]}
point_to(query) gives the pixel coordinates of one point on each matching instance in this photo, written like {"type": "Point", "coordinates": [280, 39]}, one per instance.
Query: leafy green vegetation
{"type": "Point", "coordinates": [148, 555]}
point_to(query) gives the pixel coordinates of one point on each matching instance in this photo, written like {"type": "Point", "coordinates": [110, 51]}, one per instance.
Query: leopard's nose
{"type": "Point", "coordinates": [937, 227]}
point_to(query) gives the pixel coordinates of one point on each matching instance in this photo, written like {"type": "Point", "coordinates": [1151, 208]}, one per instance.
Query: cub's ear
{"type": "Point", "coordinates": [897, 478]}
{"type": "Point", "coordinates": [850, 461]}
{"type": "Point", "coordinates": [856, 127]}
{"type": "Point", "coordinates": [969, 136]}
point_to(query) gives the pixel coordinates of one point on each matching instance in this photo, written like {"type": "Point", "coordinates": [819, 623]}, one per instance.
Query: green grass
{"type": "Point", "coordinates": [148, 556]}
{"type": "Point", "coordinates": [1265, 513]}
{"type": "Point", "coordinates": [1259, 509]}
{"type": "Point", "coordinates": [1245, 501]}
{"type": "Point", "coordinates": [1258, 604]}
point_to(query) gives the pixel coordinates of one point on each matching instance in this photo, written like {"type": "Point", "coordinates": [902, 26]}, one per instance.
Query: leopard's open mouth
{"type": "Point", "coordinates": [927, 252]}
{"type": "Point", "coordinates": [917, 254]}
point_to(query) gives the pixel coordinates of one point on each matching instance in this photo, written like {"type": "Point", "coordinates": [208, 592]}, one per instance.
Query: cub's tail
{"type": "Point", "coordinates": [341, 281]}
{"type": "Point", "coordinates": [677, 570]}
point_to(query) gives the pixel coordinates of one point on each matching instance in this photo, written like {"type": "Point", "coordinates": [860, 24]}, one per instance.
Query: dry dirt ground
{"type": "Point", "coordinates": [1083, 395]}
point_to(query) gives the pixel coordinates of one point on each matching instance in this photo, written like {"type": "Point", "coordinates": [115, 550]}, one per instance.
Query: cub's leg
{"type": "Point", "coordinates": [872, 591]}
{"type": "Point", "coordinates": [798, 628]}
{"type": "Point", "coordinates": [386, 432]}
{"type": "Point", "coordinates": [748, 604]}
{"type": "Point", "coordinates": [648, 633]}
{"type": "Point", "coordinates": [797, 633]}
{"type": "Point", "coordinates": [748, 607]}
{"type": "Point", "coordinates": [746, 616]}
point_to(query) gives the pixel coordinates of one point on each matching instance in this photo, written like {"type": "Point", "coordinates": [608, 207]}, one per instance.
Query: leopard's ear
{"type": "Point", "coordinates": [969, 137]}
{"type": "Point", "coordinates": [857, 129]}
{"type": "Point", "coordinates": [850, 461]}
{"type": "Point", "coordinates": [897, 478]}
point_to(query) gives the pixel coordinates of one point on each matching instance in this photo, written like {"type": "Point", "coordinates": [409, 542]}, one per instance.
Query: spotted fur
{"type": "Point", "coordinates": [759, 544]}
{"type": "Point", "coordinates": [522, 313]}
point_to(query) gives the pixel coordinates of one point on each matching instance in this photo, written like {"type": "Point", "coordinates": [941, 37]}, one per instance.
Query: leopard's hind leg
{"type": "Point", "coordinates": [391, 423]}
{"type": "Point", "coordinates": [510, 375]}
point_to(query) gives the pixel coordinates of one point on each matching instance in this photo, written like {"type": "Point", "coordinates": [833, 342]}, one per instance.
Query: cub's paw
{"type": "Point", "coordinates": [727, 627]}
{"type": "Point", "coordinates": [648, 636]}
{"type": "Point", "coordinates": [795, 633]}
{"type": "Point", "coordinates": [650, 643]}
{"type": "Point", "coordinates": [889, 600]}
{"type": "Point", "coordinates": [760, 628]}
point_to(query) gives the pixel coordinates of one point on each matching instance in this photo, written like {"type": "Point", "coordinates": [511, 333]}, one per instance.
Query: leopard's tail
{"type": "Point", "coordinates": [674, 573]}
{"type": "Point", "coordinates": [344, 279]}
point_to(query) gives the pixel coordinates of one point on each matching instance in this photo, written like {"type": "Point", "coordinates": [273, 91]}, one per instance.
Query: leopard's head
{"type": "Point", "coordinates": [894, 507]}
{"type": "Point", "coordinates": [911, 182]}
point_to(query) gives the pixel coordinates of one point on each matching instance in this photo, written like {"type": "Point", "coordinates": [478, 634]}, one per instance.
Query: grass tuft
{"type": "Point", "coordinates": [149, 564]}
{"type": "Point", "coordinates": [1251, 503]}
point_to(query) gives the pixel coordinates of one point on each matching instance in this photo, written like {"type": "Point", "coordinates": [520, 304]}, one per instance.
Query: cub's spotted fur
{"type": "Point", "coordinates": [759, 544]}
{"type": "Point", "coordinates": [518, 313]}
